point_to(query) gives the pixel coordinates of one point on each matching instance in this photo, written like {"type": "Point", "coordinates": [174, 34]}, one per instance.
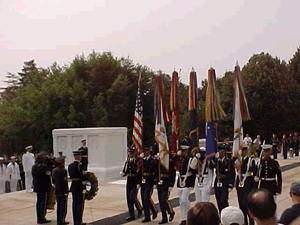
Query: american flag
{"type": "Point", "coordinates": [137, 136]}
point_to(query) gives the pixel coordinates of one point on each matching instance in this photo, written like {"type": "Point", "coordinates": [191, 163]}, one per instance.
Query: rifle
{"type": "Point", "coordinates": [260, 166]}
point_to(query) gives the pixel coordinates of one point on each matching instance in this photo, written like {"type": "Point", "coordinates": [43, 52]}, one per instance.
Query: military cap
{"type": "Point", "coordinates": [29, 146]}
{"type": "Point", "coordinates": [202, 149]}
{"type": "Point", "coordinates": [295, 188]}
{"type": "Point", "coordinates": [147, 148]}
{"type": "Point", "coordinates": [41, 154]}
{"type": "Point", "coordinates": [131, 150]}
{"type": "Point", "coordinates": [221, 148]}
{"type": "Point", "coordinates": [184, 147]}
{"type": "Point", "coordinates": [1, 158]}
{"type": "Point", "coordinates": [83, 140]}
{"type": "Point", "coordinates": [266, 147]}
{"type": "Point", "coordinates": [245, 147]}
{"type": "Point", "coordinates": [13, 157]}
{"type": "Point", "coordinates": [60, 159]}
{"type": "Point", "coordinates": [77, 152]}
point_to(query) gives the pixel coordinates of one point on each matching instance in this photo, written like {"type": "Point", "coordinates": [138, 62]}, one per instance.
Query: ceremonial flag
{"type": "Point", "coordinates": [174, 105]}
{"type": "Point", "coordinates": [213, 112]}
{"type": "Point", "coordinates": [137, 136]}
{"type": "Point", "coordinates": [240, 110]}
{"type": "Point", "coordinates": [193, 106]}
{"type": "Point", "coordinates": [161, 116]}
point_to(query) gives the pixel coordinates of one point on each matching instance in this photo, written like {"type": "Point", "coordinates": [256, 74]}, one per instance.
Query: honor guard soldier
{"type": "Point", "coordinates": [28, 161]}
{"type": "Point", "coordinates": [84, 159]}
{"type": "Point", "coordinates": [165, 182]}
{"type": "Point", "coordinates": [204, 177]}
{"type": "Point", "coordinates": [285, 146]}
{"type": "Point", "coordinates": [41, 185]}
{"type": "Point", "coordinates": [186, 180]}
{"type": "Point", "coordinates": [146, 179]}
{"type": "Point", "coordinates": [78, 187]}
{"type": "Point", "coordinates": [269, 173]}
{"type": "Point", "coordinates": [60, 181]}
{"type": "Point", "coordinates": [3, 175]}
{"type": "Point", "coordinates": [224, 179]}
{"type": "Point", "coordinates": [275, 143]}
{"type": "Point", "coordinates": [130, 170]}
{"type": "Point", "coordinates": [246, 168]}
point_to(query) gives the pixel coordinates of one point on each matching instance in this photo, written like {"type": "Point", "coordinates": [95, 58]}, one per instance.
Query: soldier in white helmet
{"type": "Point", "coordinates": [28, 161]}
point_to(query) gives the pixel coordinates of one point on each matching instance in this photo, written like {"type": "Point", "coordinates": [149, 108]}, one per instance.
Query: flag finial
{"type": "Point", "coordinates": [237, 63]}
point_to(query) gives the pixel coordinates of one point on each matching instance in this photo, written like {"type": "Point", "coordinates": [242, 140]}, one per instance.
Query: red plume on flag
{"type": "Point", "coordinates": [174, 104]}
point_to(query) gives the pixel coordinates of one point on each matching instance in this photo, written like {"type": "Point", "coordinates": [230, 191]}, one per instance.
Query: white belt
{"type": "Point", "coordinates": [268, 179]}
{"type": "Point", "coordinates": [186, 175]}
{"type": "Point", "coordinates": [247, 174]}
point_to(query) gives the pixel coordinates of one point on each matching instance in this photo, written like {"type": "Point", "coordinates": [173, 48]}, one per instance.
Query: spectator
{"type": "Point", "coordinates": [203, 213]}
{"type": "Point", "coordinates": [232, 216]}
{"type": "Point", "coordinates": [262, 207]}
{"type": "Point", "coordinates": [290, 214]}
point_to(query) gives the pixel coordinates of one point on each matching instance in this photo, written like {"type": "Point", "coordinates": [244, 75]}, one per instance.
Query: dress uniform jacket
{"type": "Point", "coordinates": [76, 174]}
{"type": "Point", "coordinates": [60, 180]}
{"type": "Point", "coordinates": [41, 178]}
{"type": "Point", "coordinates": [185, 172]}
{"type": "Point", "coordinates": [84, 159]}
{"type": "Point", "coordinates": [3, 177]}
{"type": "Point", "coordinates": [269, 169]}
{"type": "Point", "coordinates": [13, 175]}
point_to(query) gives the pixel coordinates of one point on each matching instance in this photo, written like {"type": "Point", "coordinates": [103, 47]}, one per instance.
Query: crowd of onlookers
{"type": "Point", "coordinates": [261, 208]}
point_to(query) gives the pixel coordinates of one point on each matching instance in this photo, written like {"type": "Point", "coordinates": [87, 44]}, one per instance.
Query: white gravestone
{"type": "Point", "coordinates": [107, 148]}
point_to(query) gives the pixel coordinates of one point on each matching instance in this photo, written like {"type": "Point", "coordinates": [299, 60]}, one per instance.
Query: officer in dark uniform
{"type": "Point", "coordinates": [275, 143]}
{"type": "Point", "coordinates": [84, 159]}
{"type": "Point", "coordinates": [130, 170]}
{"type": "Point", "coordinates": [285, 146]}
{"type": "Point", "coordinates": [246, 168]}
{"type": "Point", "coordinates": [60, 180]}
{"type": "Point", "coordinates": [296, 143]}
{"type": "Point", "coordinates": [224, 180]}
{"type": "Point", "coordinates": [78, 187]}
{"type": "Point", "coordinates": [146, 179]}
{"type": "Point", "coordinates": [41, 185]}
{"type": "Point", "coordinates": [269, 173]}
{"type": "Point", "coordinates": [165, 182]}
{"type": "Point", "coordinates": [186, 180]}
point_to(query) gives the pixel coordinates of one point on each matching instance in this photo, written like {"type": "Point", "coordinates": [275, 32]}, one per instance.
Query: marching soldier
{"type": "Point", "coordinates": [275, 143]}
{"type": "Point", "coordinates": [13, 174]}
{"type": "Point", "coordinates": [146, 179]}
{"type": "Point", "coordinates": [224, 180]}
{"type": "Point", "coordinates": [78, 188]}
{"type": "Point", "coordinates": [84, 159]}
{"type": "Point", "coordinates": [60, 180]}
{"type": "Point", "coordinates": [130, 170]}
{"type": "Point", "coordinates": [186, 180]}
{"type": "Point", "coordinates": [28, 161]}
{"type": "Point", "coordinates": [3, 175]}
{"type": "Point", "coordinates": [246, 168]}
{"type": "Point", "coordinates": [204, 177]}
{"type": "Point", "coordinates": [269, 173]}
{"type": "Point", "coordinates": [165, 183]}
{"type": "Point", "coordinates": [41, 185]}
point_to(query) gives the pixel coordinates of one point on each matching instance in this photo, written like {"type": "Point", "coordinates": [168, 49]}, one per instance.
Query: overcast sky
{"type": "Point", "coordinates": [158, 33]}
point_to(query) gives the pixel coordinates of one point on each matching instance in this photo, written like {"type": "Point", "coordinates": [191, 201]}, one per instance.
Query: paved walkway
{"type": "Point", "coordinates": [18, 208]}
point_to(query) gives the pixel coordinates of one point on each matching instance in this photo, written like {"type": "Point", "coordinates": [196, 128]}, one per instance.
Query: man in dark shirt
{"type": "Point", "coordinates": [290, 214]}
{"type": "Point", "coordinates": [41, 185]}
{"type": "Point", "coordinates": [60, 180]}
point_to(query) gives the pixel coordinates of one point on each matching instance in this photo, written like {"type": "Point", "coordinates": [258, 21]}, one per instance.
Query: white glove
{"type": "Point", "coordinates": [198, 155]}
{"type": "Point", "coordinates": [122, 174]}
{"type": "Point", "coordinates": [84, 191]}
{"type": "Point", "coordinates": [194, 163]}
{"type": "Point", "coordinates": [240, 152]}
{"type": "Point", "coordinates": [256, 179]}
{"type": "Point", "coordinates": [155, 186]}
{"type": "Point", "coordinates": [179, 153]}
{"type": "Point", "coordinates": [142, 155]}
{"type": "Point", "coordinates": [217, 155]}
{"type": "Point", "coordinates": [229, 189]}
{"type": "Point", "coordinates": [170, 189]}
{"type": "Point", "coordinates": [138, 186]}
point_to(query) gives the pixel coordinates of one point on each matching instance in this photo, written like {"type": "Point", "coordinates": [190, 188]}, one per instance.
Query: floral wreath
{"type": "Point", "coordinates": [93, 181]}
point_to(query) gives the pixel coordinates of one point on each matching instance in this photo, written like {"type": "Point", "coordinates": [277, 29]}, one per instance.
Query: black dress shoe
{"type": "Point", "coordinates": [154, 216]}
{"type": "Point", "coordinates": [129, 218]}
{"type": "Point", "coordinates": [45, 221]}
{"type": "Point", "coordinates": [140, 213]}
{"type": "Point", "coordinates": [163, 222]}
{"type": "Point", "coordinates": [183, 222]}
{"type": "Point", "coordinates": [146, 220]}
{"type": "Point", "coordinates": [65, 222]}
{"type": "Point", "coordinates": [172, 216]}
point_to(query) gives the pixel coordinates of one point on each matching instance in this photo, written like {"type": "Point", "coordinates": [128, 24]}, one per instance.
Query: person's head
{"type": "Point", "coordinates": [266, 151]}
{"type": "Point", "coordinates": [232, 216]}
{"type": "Point", "coordinates": [60, 153]}
{"type": "Point", "coordinates": [284, 136]}
{"type": "Point", "coordinates": [41, 156]}
{"type": "Point", "coordinates": [247, 135]}
{"type": "Point", "coordinates": [222, 152]}
{"type": "Point", "coordinates": [274, 135]}
{"type": "Point", "coordinates": [83, 142]}
{"type": "Point", "coordinates": [244, 151]}
{"type": "Point", "coordinates": [28, 148]}
{"type": "Point", "coordinates": [258, 136]}
{"type": "Point", "coordinates": [13, 158]}
{"type": "Point", "coordinates": [185, 150]}
{"type": "Point", "coordinates": [202, 151]}
{"type": "Point", "coordinates": [131, 152]}
{"type": "Point", "coordinates": [261, 205]}
{"type": "Point", "coordinates": [295, 192]}
{"type": "Point", "coordinates": [1, 160]}
{"type": "Point", "coordinates": [146, 151]}
{"type": "Point", "coordinates": [60, 161]}
{"type": "Point", "coordinates": [204, 213]}
{"type": "Point", "coordinates": [77, 155]}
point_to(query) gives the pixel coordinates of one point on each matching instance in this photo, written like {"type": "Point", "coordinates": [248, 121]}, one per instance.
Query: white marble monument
{"type": "Point", "coordinates": [107, 148]}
